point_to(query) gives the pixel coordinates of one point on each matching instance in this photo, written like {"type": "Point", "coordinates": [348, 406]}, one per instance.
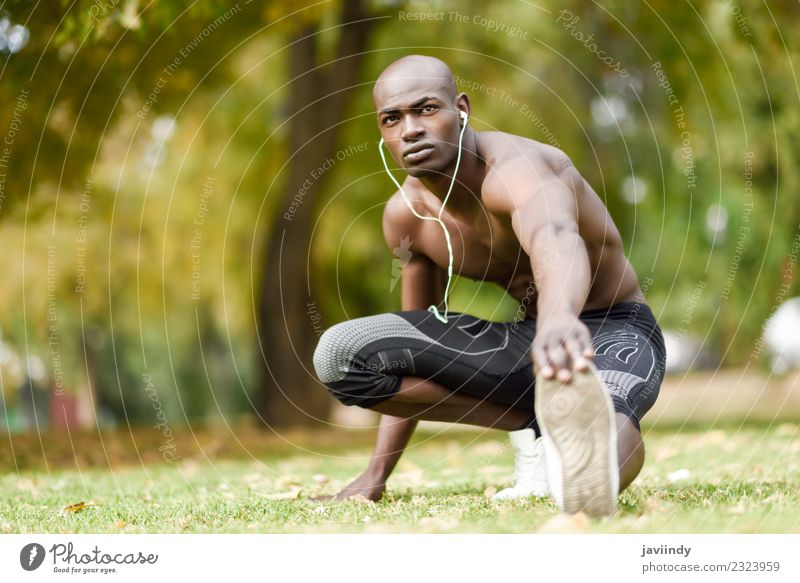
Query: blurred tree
{"type": "Point", "coordinates": [78, 154]}
{"type": "Point", "coordinates": [323, 83]}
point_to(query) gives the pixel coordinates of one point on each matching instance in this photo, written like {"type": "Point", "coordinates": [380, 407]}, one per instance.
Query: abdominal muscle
{"type": "Point", "coordinates": [605, 291]}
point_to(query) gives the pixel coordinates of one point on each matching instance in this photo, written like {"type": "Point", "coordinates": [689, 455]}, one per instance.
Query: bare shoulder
{"type": "Point", "coordinates": [399, 221]}
{"type": "Point", "coordinates": [515, 165]}
{"type": "Point", "coordinates": [498, 148]}
{"type": "Point", "coordinates": [409, 237]}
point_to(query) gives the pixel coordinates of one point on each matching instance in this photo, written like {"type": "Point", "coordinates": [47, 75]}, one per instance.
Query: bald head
{"type": "Point", "coordinates": [418, 114]}
{"type": "Point", "coordinates": [414, 73]}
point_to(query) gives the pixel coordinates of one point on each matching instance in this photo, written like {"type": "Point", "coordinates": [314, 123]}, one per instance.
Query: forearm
{"type": "Point", "coordinates": [563, 273]}
{"type": "Point", "coordinates": [422, 285]}
{"type": "Point", "coordinates": [394, 434]}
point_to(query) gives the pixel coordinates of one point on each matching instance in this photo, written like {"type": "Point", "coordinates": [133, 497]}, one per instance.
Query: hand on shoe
{"type": "Point", "coordinates": [562, 344]}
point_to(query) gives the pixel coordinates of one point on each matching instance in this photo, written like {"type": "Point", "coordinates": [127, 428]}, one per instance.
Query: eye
{"type": "Point", "coordinates": [388, 119]}
{"type": "Point", "coordinates": [429, 107]}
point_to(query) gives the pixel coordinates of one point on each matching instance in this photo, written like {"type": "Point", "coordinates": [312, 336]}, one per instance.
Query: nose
{"type": "Point", "coordinates": [411, 128]}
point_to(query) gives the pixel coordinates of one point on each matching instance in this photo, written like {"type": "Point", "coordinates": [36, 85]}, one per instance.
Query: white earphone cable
{"type": "Point", "coordinates": [433, 309]}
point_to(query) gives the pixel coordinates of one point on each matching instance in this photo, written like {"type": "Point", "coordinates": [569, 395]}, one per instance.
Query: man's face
{"type": "Point", "coordinates": [419, 123]}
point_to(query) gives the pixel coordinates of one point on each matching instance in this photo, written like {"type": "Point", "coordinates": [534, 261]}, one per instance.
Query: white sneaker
{"type": "Point", "coordinates": [578, 425]}
{"type": "Point", "coordinates": [530, 467]}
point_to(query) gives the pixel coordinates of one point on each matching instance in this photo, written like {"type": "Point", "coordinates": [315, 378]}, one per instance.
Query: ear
{"type": "Point", "coordinates": [462, 103]}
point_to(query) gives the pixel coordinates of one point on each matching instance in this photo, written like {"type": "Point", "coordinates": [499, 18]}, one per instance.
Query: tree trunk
{"type": "Point", "coordinates": [290, 393]}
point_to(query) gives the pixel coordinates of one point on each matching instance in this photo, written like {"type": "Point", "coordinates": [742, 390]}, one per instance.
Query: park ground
{"type": "Point", "coordinates": [732, 468]}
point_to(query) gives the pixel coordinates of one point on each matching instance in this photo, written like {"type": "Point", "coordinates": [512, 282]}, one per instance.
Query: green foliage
{"type": "Point", "coordinates": [100, 82]}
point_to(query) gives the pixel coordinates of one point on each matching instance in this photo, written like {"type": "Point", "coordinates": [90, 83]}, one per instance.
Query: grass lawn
{"type": "Point", "coordinates": [735, 479]}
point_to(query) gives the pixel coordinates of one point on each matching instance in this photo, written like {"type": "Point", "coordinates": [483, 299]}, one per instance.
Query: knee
{"type": "Point", "coordinates": [330, 362]}
{"type": "Point", "coordinates": [352, 371]}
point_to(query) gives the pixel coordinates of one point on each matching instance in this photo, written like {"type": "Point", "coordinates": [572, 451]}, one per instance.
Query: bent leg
{"type": "Point", "coordinates": [408, 366]}
{"type": "Point", "coordinates": [630, 450]}
{"type": "Point", "coordinates": [630, 357]}
{"type": "Point", "coordinates": [419, 398]}
{"type": "Point", "coordinates": [469, 368]}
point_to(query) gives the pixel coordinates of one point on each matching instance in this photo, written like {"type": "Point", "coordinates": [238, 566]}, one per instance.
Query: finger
{"type": "Point", "coordinates": [573, 346]}
{"type": "Point", "coordinates": [559, 359]}
{"type": "Point", "coordinates": [540, 363]}
{"type": "Point", "coordinates": [588, 351]}
{"type": "Point", "coordinates": [557, 355]}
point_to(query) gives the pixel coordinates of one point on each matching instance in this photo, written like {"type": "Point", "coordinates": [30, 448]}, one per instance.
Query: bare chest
{"type": "Point", "coordinates": [485, 249]}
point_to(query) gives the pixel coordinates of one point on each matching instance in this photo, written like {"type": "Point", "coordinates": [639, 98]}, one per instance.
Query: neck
{"type": "Point", "coordinates": [466, 190]}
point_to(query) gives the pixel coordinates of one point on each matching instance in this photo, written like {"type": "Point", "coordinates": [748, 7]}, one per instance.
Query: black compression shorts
{"type": "Point", "coordinates": [362, 361]}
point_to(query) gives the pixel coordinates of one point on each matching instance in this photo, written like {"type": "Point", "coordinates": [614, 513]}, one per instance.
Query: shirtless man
{"type": "Point", "coordinates": [519, 214]}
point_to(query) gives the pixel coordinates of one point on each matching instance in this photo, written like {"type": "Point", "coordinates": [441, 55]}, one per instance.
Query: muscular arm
{"type": "Point", "coordinates": [422, 285]}
{"type": "Point", "coordinates": [547, 227]}
{"type": "Point", "coordinates": [545, 220]}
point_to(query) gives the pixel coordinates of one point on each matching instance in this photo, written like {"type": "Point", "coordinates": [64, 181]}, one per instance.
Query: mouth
{"type": "Point", "coordinates": [418, 152]}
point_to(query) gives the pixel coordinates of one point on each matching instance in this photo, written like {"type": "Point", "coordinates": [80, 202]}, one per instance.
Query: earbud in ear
{"type": "Point", "coordinates": [464, 115]}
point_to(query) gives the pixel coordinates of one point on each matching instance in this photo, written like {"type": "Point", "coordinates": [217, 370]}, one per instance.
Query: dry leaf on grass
{"type": "Point", "coordinates": [287, 482]}
{"type": "Point", "coordinates": [565, 523]}
{"type": "Point", "coordinates": [293, 493]}
{"type": "Point", "coordinates": [77, 507]}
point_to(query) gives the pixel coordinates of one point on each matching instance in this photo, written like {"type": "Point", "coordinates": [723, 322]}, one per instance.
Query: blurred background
{"type": "Point", "coordinates": [190, 192]}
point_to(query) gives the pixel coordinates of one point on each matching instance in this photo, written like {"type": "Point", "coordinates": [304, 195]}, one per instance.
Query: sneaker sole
{"type": "Point", "coordinates": [579, 427]}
